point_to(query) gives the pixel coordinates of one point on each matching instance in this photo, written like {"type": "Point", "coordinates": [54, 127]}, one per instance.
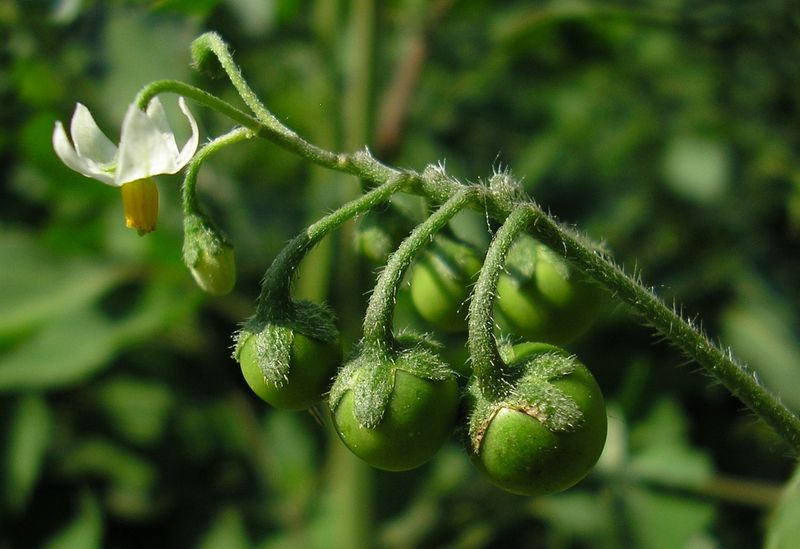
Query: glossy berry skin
{"type": "Point", "coordinates": [557, 304]}
{"type": "Point", "coordinates": [313, 364]}
{"type": "Point", "coordinates": [441, 282]}
{"type": "Point", "coordinates": [521, 455]}
{"type": "Point", "coordinates": [215, 273]}
{"type": "Point", "coordinates": [418, 420]}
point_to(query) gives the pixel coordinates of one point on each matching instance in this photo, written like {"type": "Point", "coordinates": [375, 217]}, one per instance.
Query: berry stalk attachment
{"type": "Point", "coordinates": [207, 251]}
{"type": "Point", "coordinates": [289, 350]}
{"type": "Point", "coordinates": [395, 402]}
{"type": "Point", "coordinates": [537, 423]}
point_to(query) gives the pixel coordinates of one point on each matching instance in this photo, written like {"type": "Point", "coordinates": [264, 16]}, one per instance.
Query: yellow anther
{"type": "Point", "coordinates": [140, 202]}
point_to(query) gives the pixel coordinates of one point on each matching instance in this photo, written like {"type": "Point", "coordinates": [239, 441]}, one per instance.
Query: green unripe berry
{"type": "Point", "coordinates": [289, 353]}
{"type": "Point", "coordinates": [542, 298]}
{"type": "Point", "coordinates": [523, 445]}
{"type": "Point", "coordinates": [312, 365]}
{"type": "Point", "coordinates": [394, 408]}
{"type": "Point", "coordinates": [418, 419]}
{"type": "Point", "coordinates": [441, 281]}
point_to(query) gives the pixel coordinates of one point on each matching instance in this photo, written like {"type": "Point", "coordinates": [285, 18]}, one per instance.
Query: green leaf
{"type": "Point", "coordinates": [28, 440]}
{"type": "Point", "coordinates": [663, 454]}
{"type": "Point", "coordinates": [665, 521]}
{"type": "Point", "coordinates": [41, 286]}
{"type": "Point", "coordinates": [575, 514]}
{"type": "Point", "coordinates": [67, 350]}
{"type": "Point", "coordinates": [130, 478]}
{"type": "Point", "coordinates": [73, 347]}
{"type": "Point", "coordinates": [293, 458]}
{"type": "Point", "coordinates": [661, 457]}
{"type": "Point", "coordinates": [137, 408]}
{"type": "Point", "coordinates": [86, 529]}
{"type": "Point", "coordinates": [105, 459]}
{"type": "Point", "coordinates": [784, 526]}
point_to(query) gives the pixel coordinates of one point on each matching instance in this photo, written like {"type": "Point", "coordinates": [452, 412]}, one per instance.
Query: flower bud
{"type": "Point", "coordinates": [209, 255]}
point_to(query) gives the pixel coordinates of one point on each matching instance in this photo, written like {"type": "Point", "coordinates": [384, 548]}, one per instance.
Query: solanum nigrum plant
{"type": "Point", "coordinates": [537, 420]}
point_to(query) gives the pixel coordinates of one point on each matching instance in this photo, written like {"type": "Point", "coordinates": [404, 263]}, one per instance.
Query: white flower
{"type": "Point", "coordinates": [146, 148]}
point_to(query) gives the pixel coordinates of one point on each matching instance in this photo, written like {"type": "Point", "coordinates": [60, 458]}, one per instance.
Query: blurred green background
{"type": "Point", "coordinates": [669, 129]}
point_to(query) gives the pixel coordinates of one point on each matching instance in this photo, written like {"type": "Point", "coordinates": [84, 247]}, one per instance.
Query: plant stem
{"type": "Point", "coordinates": [189, 195]}
{"type": "Point", "coordinates": [378, 318]}
{"type": "Point", "coordinates": [742, 382]}
{"type": "Point", "coordinates": [486, 361]}
{"type": "Point", "coordinates": [278, 278]}
{"type": "Point", "coordinates": [212, 43]}
{"type": "Point", "coordinates": [279, 135]}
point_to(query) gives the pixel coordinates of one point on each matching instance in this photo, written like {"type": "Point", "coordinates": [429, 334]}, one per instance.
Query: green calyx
{"type": "Point", "coordinates": [531, 392]}
{"type": "Point", "coordinates": [394, 408]}
{"type": "Point", "coordinates": [372, 373]}
{"type": "Point", "coordinates": [270, 337]}
{"type": "Point", "coordinates": [208, 254]}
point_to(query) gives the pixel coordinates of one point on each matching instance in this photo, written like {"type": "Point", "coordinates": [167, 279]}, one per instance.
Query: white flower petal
{"type": "Point", "coordinates": [155, 112]}
{"type": "Point", "coordinates": [69, 156]}
{"type": "Point", "coordinates": [188, 150]}
{"type": "Point", "coordinates": [144, 150]}
{"type": "Point", "coordinates": [90, 142]}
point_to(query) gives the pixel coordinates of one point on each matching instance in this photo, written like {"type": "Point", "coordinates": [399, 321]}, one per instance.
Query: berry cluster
{"type": "Point", "coordinates": [533, 415]}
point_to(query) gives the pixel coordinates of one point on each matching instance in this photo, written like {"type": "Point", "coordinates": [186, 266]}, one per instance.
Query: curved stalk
{"type": "Point", "coordinates": [278, 278]}
{"type": "Point", "coordinates": [486, 361]}
{"type": "Point", "coordinates": [378, 318]}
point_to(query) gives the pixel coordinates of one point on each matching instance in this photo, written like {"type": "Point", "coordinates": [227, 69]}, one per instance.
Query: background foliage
{"type": "Point", "coordinates": [669, 129]}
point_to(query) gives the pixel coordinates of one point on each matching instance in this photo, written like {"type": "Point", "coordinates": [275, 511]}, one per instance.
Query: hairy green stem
{"type": "Point", "coordinates": [211, 43]}
{"type": "Point", "coordinates": [280, 136]}
{"type": "Point", "coordinates": [189, 194]}
{"type": "Point", "coordinates": [277, 281]}
{"type": "Point", "coordinates": [378, 318]}
{"type": "Point", "coordinates": [740, 380]}
{"type": "Point", "coordinates": [489, 368]}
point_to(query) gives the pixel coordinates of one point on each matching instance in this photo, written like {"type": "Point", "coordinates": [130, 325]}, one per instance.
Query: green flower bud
{"type": "Point", "coordinates": [209, 255]}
